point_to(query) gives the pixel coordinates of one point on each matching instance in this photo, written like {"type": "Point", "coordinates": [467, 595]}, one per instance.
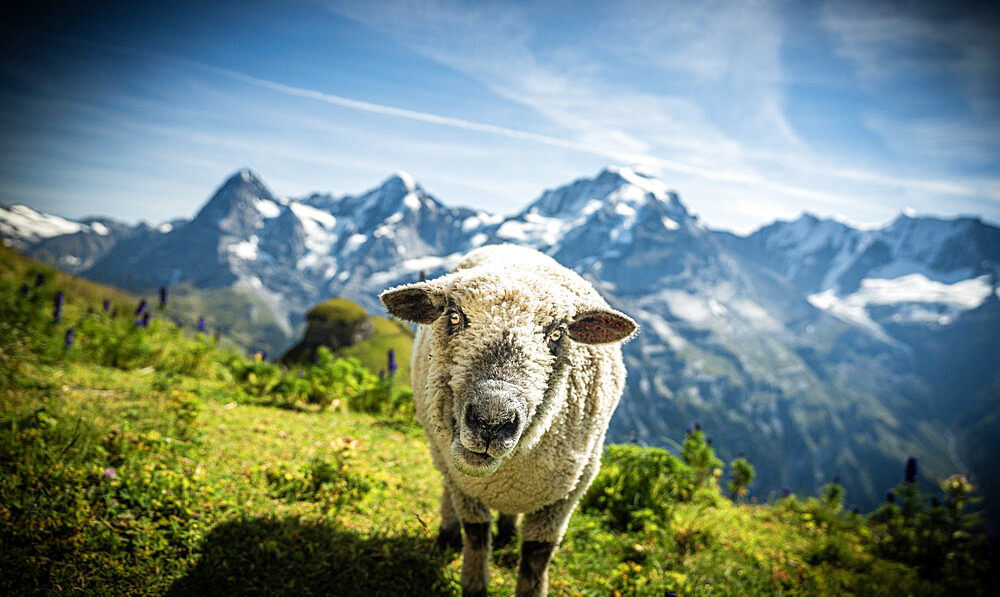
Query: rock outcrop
{"type": "Point", "coordinates": [336, 324]}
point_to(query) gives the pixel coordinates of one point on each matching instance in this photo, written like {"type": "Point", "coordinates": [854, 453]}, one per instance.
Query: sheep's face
{"type": "Point", "coordinates": [499, 357]}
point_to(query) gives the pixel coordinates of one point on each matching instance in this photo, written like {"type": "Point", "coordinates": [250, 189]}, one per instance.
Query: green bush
{"type": "Point", "coordinates": [936, 538]}
{"type": "Point", "coordinates": [741, 477]}
{"type": "Point", "coordinates": [636, 487]}
{"type": "Point", "coordinates": [697, 452]}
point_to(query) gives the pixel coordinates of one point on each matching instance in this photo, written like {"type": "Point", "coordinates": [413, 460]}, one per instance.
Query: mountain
{"type": "Point", "coordinates": [816, 348]}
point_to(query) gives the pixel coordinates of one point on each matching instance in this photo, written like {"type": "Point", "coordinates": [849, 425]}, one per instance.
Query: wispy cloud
{"type": "Point", "coordinates": [944, 67]}
{"type": "Point", "coordinates": [697, 94]}
{"type": "Point", "coordinates": [721, 120]}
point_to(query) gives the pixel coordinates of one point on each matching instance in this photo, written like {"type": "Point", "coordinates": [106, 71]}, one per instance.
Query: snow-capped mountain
{"type": "Point", "coordinates": [919, 270]}
{"type": "Point", "coordinates": [799, 344]}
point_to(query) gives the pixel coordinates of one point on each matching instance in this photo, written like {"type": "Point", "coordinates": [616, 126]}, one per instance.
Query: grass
{"type": "Point", "coordinates": [183, 468]}
{"type": "Point", "coordinates": [337, 310]}
{"type": "Point", "coordinates": [389, 335]}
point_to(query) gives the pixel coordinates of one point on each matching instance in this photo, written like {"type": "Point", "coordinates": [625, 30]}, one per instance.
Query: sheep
{"type": "Point", "coordinates": [516, 371]}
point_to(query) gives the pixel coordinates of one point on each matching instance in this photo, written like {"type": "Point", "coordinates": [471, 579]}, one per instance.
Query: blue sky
{"type": "Point", "coordinates": [752, 111]}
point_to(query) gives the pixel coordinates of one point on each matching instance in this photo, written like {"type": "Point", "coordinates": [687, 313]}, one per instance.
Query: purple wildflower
{"type": "Point", "coordinates": [381, 373]}
{"type": "Point", "coordinates": [163, 297]}
{"type": "Point", "coordinates": [39, 280]}
{"type": "Point", "coordinates": [911, 470]}
{"type": "Point", "coordinates": [202, 324]}
{"type": "Point", "coordinates": [302, 373]}
{"type": "Point", "coordinates": [70, 333]}
{"type": "Point", "coordinates": [785, 492]}
{"type": "Point", "coordinates": [145, 319]}
{"type": "Point", "coordinates": [107, 305]}
{"type": "Point", "coordinates": [179, 323]}
{"type": "Point", "coordinates": [142, 307]}
{"type": "Point", "coordinates": [25, 290]}
{"type": "Point", "coordinates": [57, 310]}
{"type": "Point", "coordinates": [391, 366]}
{"type": "Point", "coordinates": [109, 473]}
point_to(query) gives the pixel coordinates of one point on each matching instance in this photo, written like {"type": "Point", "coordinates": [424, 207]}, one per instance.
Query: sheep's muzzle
{"type": "Point", "coordinates": [492, 419]}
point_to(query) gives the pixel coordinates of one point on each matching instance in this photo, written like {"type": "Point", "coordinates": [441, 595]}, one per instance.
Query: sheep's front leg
{"type": "Point", "coordinates": [476, 558]}
{"type": "Point", "coordinates": [533, 571]}
{"type": "Point", "coordinates": [476, 522]}
{"type": "Point", "coordinates": [542, 531]}
{"type": "Point", "coordinates": [450, 534]}
{"type": "Point", "coordinates": [540, 534]}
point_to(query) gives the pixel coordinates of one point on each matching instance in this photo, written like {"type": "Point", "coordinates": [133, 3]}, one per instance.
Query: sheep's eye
{"type": "Point", "coordinates": [553, 339]}
{"type": "Point", "coordinates": [455, 319]}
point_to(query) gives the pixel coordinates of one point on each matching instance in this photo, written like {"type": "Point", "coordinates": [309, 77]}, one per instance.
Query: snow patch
{"type": "Point", "coordinates": [268, 209]}
{"type": "Point", "coordinates": [535, 230]}
{"type": "Point", "coordinates": [412, 201]}
{"type": "Point", "coordinates": [471, 223]}
{"type": "Point", "coordinates": [408, 180]}
{"type": "Point", "coordinates": [20, 221]}
{"type": "Point", "coordinates": [165, 228]}
{"type": "Point", "coordinates": [648, 184]}
{"type": "Point", "coordinates": [99, 228]}
{"type": "Point", "coordinates": [919, 298]}
{"type": "Point", "coordinates": [246, 250]}
{"type": "Point", "coordinates": [513, 230]}
{"type": "Point", "coordinates": [309, 213]}
{"type": "Point", "coordinates": [355, 241]}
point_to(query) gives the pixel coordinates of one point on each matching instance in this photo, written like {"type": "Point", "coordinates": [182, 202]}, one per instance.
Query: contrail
{"type": "Point", "coordinates": [750, 179]}
{"type": "Point", "coordinates": [621, 157]}
{"type": "Point", "coordinates": [460, 123]}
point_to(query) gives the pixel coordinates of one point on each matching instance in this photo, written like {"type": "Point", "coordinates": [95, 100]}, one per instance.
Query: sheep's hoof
{"type": "Point", "coordinates": [450, 538]}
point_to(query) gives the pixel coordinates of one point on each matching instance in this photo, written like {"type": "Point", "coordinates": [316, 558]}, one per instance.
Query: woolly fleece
{"type": "Point", "coordinates": [519, 296]}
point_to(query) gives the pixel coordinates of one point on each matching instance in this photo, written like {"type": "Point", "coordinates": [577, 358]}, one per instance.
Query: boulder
{"type": "Point", "coordinates": [336, 324]}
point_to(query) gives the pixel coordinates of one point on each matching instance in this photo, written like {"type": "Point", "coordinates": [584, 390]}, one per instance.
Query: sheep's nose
{"type": "Point", "coordinates": [501, 426]}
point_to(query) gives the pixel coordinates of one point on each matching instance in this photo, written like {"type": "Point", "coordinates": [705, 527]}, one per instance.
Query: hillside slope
{"type": "Point", "coordinates": [147, 460]}
{"type": "Point", "coordinates": [818, 348]}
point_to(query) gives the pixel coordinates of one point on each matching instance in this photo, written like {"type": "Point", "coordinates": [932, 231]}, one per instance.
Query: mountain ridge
{"type": "Point", "coordinates": [807, 336]}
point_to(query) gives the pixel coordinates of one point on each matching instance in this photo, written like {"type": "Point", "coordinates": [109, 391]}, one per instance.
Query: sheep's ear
{"type": "Point", "coordinates": [601, 326]}
{"type": "Point", "coordinates": [418, 302]}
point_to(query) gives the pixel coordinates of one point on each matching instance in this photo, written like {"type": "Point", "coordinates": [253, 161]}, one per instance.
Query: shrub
{"type": "Point", "coordinates": [637, 486]}
{"type": "Point", "coordinates": [934, 538]}
{"type": "Point", "coordinates": [741, 477]}
{"type": "Point", "coordinates": [697, 452]}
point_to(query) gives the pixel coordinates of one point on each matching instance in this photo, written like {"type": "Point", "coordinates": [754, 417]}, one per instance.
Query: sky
{"type": "Point", "coordinates": [751, 110]}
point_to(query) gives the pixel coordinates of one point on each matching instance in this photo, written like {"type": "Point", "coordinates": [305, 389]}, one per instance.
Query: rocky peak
{"type": "Point", "coordinates": [240, 204]}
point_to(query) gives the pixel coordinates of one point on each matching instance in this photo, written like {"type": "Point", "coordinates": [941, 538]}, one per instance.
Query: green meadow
{"type": "Point", "coordinates": [140, 457]}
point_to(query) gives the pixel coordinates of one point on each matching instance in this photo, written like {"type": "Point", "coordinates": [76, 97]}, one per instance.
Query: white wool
{"type": "Point", "coordinates": [519, 292]}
